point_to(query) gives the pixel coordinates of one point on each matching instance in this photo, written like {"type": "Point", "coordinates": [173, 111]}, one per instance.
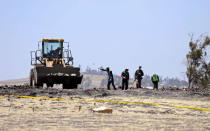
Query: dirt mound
{"type": "Point", "coordinates": [101, 92]}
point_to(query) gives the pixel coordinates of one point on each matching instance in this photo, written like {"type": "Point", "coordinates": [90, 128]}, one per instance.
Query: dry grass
{"type": "Point", "coordinates": [37, 114]}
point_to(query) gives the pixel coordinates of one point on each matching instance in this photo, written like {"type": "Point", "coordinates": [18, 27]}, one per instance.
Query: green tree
{"type": "Point", "coordinates": [198, 68]}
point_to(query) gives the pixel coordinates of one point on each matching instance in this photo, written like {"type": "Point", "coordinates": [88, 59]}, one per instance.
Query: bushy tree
{"type": "Point", "coordinates": [198, 68]}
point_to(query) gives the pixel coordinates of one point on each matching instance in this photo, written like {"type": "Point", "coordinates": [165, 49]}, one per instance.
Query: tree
{"type": "Point", "coordinates": [198, 69]}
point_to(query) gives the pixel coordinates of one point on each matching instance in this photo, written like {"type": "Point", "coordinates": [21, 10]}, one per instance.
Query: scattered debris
{"type": "Point", "coordinates": [33, 94]}
{"type": "Point", "coordinates": [80, 107]}
{"type": "Point", "coordinates": [102, 110]}
{"type": "Point", "coordinates": [44, 92]}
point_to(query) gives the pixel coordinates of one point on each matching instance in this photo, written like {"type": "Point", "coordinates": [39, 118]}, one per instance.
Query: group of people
{"type": "Point", "coordinates": [125, 78]}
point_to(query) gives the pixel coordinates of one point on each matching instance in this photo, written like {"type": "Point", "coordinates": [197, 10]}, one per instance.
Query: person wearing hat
{"type": "Point", "coordinates": [110, 78]}
{"type": "Point", "coordinates": [125, 79]}
{"type": "Point", "coordinates": [138, 77]}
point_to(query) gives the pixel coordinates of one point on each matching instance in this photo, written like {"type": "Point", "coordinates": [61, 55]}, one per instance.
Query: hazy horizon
{"type": "Point", "coordinates": [119, 34]}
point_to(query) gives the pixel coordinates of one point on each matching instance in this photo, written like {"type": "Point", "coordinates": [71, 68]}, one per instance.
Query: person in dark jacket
{"type": "Point", "coordinates": [125, 79]}
{"type": "Point", "coordinates": [138, 77]}
{"type": "Point", "coordinates": [110, 78]}
{"type": "Point", "coordinates": [155, 80]}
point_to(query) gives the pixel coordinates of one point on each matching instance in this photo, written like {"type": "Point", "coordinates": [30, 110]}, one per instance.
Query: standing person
{"type": "Point", "coordinates": [138, 77]}
{"type": "Point", "coordinates": [110, 78]}
{"type": "Point", "coordinates": [155, 80]}
{"type": "Point", "coordinates": [125, 79]}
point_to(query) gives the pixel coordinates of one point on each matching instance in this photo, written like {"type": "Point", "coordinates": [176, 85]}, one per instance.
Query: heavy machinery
{"type": "Point", "coordinates": [53, 64]}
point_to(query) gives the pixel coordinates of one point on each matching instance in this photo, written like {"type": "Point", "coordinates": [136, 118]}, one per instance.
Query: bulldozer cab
{"type": "Point", "coordinates": [52, 49]}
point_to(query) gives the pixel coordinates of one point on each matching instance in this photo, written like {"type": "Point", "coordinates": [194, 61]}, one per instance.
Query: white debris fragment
{"type": "Point", "coordinates": [102, 110]}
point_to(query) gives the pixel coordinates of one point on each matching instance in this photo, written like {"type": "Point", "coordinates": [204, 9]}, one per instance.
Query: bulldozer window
{"type": "Point", "coordinates": [52, 50]}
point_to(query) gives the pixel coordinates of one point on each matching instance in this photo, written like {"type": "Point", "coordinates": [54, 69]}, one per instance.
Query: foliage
{"type": "Point", "coordinates": [198, 68]}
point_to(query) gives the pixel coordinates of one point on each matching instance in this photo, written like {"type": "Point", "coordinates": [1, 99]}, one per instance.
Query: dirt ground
{"type": "Point", "coordinates": [74, 112]}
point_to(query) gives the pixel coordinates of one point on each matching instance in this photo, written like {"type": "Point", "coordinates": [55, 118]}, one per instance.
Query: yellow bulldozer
{"type": "Point", "coordinates": [53, 64]}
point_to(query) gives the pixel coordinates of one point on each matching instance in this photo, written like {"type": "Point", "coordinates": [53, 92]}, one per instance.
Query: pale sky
{"type": "Point", "coordinates": [114, 33]}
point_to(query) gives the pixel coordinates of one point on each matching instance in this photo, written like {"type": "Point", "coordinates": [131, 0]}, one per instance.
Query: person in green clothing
{"type": "Point", "coordinates": [155, 80]}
